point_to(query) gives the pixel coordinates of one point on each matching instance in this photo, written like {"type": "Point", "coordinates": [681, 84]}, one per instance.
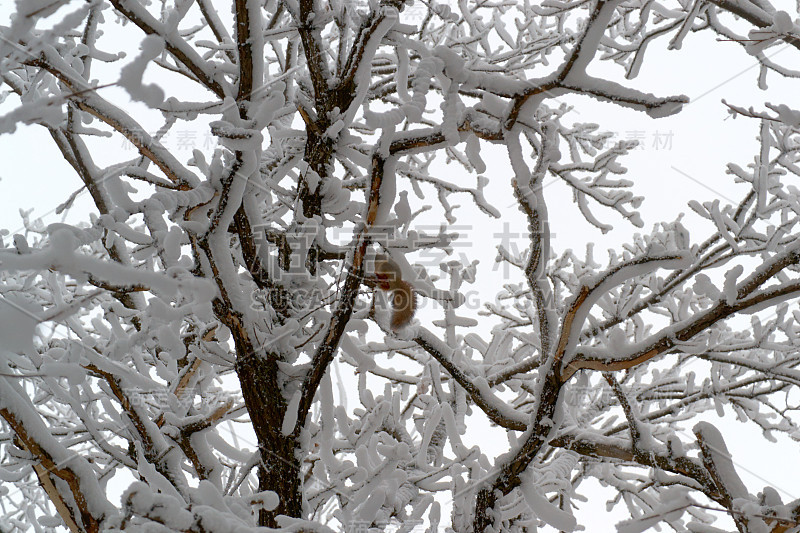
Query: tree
{"type": "Point", "coordinates": [222, 287]}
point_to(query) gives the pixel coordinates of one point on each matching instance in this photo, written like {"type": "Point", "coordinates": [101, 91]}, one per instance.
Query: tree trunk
{"type": "Point", "coordinates": [279, 470]}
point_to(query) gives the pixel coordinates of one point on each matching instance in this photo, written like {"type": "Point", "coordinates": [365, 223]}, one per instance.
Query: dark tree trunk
{"type": "Point", "coordinates": [279, 470]}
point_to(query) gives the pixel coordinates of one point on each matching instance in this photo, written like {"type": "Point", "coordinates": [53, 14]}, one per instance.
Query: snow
{"type": "Point", "coordinates": [290, 418]}
{"type": "Point", "coordinates": [783, 22]}
{"type": "Point", "coordinates": [599, 287]}
{"type": "Point", "coordinates": [610, 91]}
{"type": "Point", "coordinates": [474, 154]}
{"type": "Point", "coordinates": [591, 38]}
{"type": "Point", "coordinates": [363, 362]}
{"type": "Point", "coordinates": [673, 503]}
{"type": "Point", "coordinates": [398, 430]}
{"type": "Point", "coordinates": [362, 75]}
{"type": "Point", "coordinates": [164, 507]}
{"type": "Point", "coordinates": [132, 74]}
{"type": "Point", "coordinates": [729, 288]}
{"type": "Point", "coordinates": [16, 406]}
{"type": "Point", "coordinates": [19, 317]}
{"type": "Point", "coordinates": [402, 74]}
{"type": "Point", "coordinates": [787, 115]}
{"type": "Point", "coordinates": [544, 510]}
{"type": "Point", "coordinates": [431, 424]}
{"type": "Point", "coordinates": [266, 499]}
{"type": "Point", "coordinates": [44, 110]}
{"type": "Point", "coordinates": [714, 444]}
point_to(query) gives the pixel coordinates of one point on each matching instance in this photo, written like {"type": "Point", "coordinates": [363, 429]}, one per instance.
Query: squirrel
{"type": "Point", "coordinates": [389, 277]}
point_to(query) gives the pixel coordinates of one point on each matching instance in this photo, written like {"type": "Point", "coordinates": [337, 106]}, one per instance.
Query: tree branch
{"type": "Point", "coordinates": [176, 46]}
{"type": "Point", "coordinates": [344, 309]}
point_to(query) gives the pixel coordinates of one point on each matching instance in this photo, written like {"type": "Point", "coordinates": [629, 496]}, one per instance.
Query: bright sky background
{"type": "Point", "coordinates": [682, 157]}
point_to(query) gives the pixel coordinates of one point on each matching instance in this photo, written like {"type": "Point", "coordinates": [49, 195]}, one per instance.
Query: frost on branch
{"type": "Point", "coordinates": [210, 342]}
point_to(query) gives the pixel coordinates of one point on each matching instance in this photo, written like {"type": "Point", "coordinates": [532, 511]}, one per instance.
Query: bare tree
{"type": "Point", "coordinates": [217, 290]}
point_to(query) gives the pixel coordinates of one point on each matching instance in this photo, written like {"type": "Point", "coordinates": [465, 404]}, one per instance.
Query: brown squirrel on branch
{"type": "Point", "coordinates": [389, 277]}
